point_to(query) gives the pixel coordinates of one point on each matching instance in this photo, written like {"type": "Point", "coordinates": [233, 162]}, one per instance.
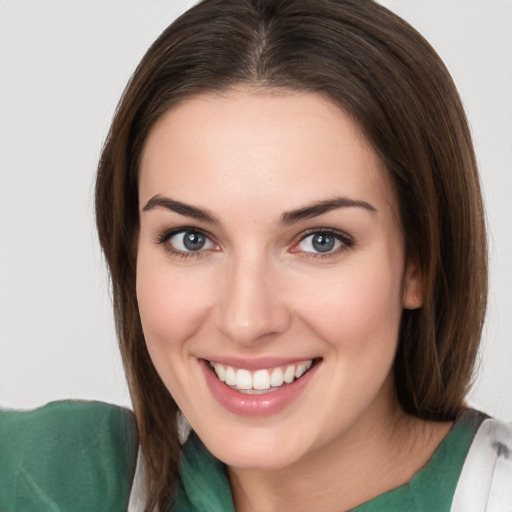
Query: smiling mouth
{"type": "Point", "coordinates": [263, 380]}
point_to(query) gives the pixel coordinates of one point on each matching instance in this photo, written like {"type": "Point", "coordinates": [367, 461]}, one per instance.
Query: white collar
{"type": "Point", "coordinates": [485, 483]}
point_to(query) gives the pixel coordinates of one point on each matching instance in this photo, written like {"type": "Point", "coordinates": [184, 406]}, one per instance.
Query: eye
{"type": "Point", "coordinates": [324, 242]}
{"type": "Point", "coordinates": [186, 241]}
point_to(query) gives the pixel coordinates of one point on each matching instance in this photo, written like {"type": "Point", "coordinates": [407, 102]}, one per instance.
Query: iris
{"type": "Point", "coordinates": [193, 241]}
{"type": "Point", "coordinates": [323, 242]}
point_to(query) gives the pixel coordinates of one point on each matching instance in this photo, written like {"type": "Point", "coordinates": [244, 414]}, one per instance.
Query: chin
{"type": "Point", "coordinates": [255, 458]}
{"type": "Point", "coordinates": [257, 449]}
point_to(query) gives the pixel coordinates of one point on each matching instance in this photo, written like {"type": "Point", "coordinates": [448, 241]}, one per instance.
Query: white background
{"type": "Point", "coordinates": [63, 66]}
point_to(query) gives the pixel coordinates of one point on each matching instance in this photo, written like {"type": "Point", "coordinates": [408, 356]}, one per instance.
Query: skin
{"type": "Point", "coordinates": [258, 288]}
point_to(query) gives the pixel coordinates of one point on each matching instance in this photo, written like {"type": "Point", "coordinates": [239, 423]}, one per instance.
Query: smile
{"type": "Point", "coordinates": [258, 387]}
{"type": "Point", "coordinates": [260, 381]}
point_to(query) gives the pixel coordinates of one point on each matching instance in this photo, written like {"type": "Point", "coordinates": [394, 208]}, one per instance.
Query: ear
{"type": "Point", "coordinates": [413, 286]}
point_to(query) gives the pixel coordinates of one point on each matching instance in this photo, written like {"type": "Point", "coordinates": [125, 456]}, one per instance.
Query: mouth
{"type": "Point", "coordinates": [264, 380]}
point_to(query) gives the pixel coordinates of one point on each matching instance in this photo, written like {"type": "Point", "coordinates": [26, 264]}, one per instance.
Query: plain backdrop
{"type": "Point", "coordinates": [63, 67]}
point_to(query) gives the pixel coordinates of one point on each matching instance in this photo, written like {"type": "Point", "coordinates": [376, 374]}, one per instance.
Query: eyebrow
{"type": "Point", "coordinates": [287, 218]}
{"type": "Point", "coordinates": [321, 207]}
{"type": "Point", "coordinates": [182, 208]}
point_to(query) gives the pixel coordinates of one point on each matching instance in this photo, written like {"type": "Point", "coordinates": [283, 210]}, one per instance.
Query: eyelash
{"type": "Point", "coordinates": [163, 239]}
{"type": "Point", "coordinates": [345, 241]}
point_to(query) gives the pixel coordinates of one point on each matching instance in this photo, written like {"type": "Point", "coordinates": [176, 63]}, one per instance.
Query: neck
{"type": "Point", "coordinates": [371, 458]}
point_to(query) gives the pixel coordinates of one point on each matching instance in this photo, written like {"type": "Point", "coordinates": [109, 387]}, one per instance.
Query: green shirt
{"type": "Point", "coordinates": [81, 457]}
{"type": "Point", "coordinates": [204, 485]}
{"type": "Point", "coordinates": [67, 457]}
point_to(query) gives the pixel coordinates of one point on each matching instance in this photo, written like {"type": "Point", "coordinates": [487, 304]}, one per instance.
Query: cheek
{"type": "Point", "coordinates": [172, 304]}
{"type": "Point", "coordinates": [358, 309]}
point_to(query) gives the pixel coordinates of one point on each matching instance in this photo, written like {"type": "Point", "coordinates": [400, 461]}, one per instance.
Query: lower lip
{"type": "Point", "coordinates": [255, 405]}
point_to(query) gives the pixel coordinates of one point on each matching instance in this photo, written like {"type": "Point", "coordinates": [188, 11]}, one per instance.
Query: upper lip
{"type": "Point", "coordinates": [257, 363]}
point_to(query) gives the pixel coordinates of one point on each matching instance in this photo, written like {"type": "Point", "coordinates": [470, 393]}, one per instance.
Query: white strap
{"type": "Point", "coordinates": [138, 495]}
{"type": "Point", "coordinates": [485, 483]}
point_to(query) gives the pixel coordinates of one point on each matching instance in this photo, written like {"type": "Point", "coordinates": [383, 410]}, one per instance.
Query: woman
{"type": "Point", "coordinates": [289, 206]}
{"type": "Point", "coordinates": [223, 68]}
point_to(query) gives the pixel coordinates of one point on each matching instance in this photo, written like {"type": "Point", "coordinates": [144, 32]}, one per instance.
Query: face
{"type": "Point", "coordinates": [271, 274]}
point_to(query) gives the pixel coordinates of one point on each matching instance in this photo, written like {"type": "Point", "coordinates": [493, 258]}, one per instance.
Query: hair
{"type": "Point", "coordinates": [374, 66]}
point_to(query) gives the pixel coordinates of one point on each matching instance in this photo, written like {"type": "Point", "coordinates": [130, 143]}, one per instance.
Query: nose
{"type": "Point", "coordinates": [251, 306]}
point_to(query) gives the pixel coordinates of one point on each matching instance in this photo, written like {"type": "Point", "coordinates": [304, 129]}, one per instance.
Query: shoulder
{"type": "Point", "coordinates": [68, 455]}
{"type": "Point", "coordinates": [68, 411]}
{"type": "Point", "coordinates": [485, 483]}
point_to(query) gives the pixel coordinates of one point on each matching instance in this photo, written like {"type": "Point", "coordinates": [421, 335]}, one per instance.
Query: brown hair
{"type": "Point", "coordinates": [380, 70]}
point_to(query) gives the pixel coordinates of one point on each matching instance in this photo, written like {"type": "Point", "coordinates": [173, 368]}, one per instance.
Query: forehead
{"type": "Point", "coordinates": [247, 145]}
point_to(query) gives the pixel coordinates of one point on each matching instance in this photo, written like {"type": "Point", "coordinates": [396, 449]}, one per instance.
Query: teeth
{"type": "Point", "coordinates": [261, 380]}
{"type": "Point", "coordinates": [243, 379]}
{"type": "Point", "coordinates": [302, 369]}
{"type": "Point", "coordinates": [289, 374]}
{"type": "Point", "coordinates": [230, 376]}
{"type": "Point", "coordinates": [220, 371]}
{"type": "Point", "coordinates": [257, 391]}
{"type": "Point", "coordinates": [277, 378]}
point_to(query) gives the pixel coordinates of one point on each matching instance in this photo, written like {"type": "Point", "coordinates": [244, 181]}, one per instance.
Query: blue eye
{"type": "Point", "coordinates": [187, 241]}
{"type": "Point", "coordinates": [323, 242]}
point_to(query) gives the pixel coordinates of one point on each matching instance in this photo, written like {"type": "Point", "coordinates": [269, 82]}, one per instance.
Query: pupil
{"type": "Point", "coordinates": [193, 241]}
{"type": "Point", "coordinates": [323, 242]}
